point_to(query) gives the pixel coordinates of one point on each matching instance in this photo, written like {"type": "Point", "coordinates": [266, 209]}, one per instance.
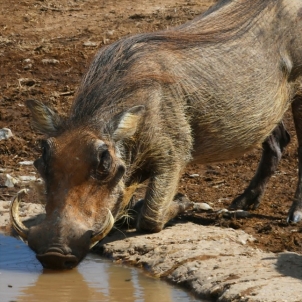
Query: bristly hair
{"type": "Point", "coordinates": [228, 19]}
{"type": "Point", "coordinates": [108, 80]}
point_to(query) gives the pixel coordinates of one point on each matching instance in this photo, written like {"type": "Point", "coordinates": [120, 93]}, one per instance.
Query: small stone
{"type": "Point", "coordinates": [50, 61]}
{"type": "Point", "coordinates": [28, 66]}
{"type": "Point", "coordinates": [26, 163]}
{"type": "Point", "coordinates": [194, 175]}
{"type": "Point", "coordinates": [106, 41]}
{"type": "Point", "coordinates": [110, 32]}
{"type": "Point", "coordinates": [222, 211]}
{"type": "Point", "coordinates": [27, 178]}
{"type": "Point", "coordinates": [90, 44]}
{"type": "Point", "coordinates": [10, 181]}
{"type": "Point", "coordinates": [202, 207]}
{"type": "Point", "coordinates": [5, 133]}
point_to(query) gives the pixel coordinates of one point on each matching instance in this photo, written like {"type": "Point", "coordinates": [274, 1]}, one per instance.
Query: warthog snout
{"type": "Point", "coordinates": [60, 247]}
{"type": "Point", "coordinates": [55, 260]}
{"type": "Point", "coordinates": [58, 243]}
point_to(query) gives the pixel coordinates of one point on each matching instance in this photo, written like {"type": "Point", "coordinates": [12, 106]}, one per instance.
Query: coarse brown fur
{"type": "Point", "coordinates": [206, 91]}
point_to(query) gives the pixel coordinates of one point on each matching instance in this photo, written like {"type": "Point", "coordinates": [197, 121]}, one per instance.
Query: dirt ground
{"type": "Point", "coordinates": [46, 47]}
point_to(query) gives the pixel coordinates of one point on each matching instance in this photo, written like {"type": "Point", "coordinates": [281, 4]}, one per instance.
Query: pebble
{"type": "Point", "coordinates": [5, 133]}
{"type": "Point", "coordinates": [50, 61]}
{"type": "Point", "coordinates": [193, 175]}
{"type": "Point", "coordinates": [28, 66]}
{"type": "Point", "coordinates": [26, 163]}
{"type": "Point", "coordinates": [10, 181]}
{"type": "Point", "coordinates": [202, 207]}
{"type": "Point", "coordinates": [27, 178]}
{"type": "Point", "coordinates": [90, 44]}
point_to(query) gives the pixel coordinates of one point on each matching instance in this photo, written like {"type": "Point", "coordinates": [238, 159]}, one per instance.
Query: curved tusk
{"type": "Point", "coordinates": [107, 227]}
{"type": "Point", "coordinates": [18, 225]}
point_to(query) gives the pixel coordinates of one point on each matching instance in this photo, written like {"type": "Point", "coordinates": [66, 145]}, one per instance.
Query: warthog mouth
{"type": "Point", "coordinates": [54, 257]}
{"type": "Point", "coordinates": [56, 260]}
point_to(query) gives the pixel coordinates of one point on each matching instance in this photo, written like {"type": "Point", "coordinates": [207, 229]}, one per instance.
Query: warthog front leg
{"type": "Point", "coordinates": [271, 155]}
{"type": "Point", "coordinates": [179, 205]}
{"type": "Point", "coordinates": [158, 207]}
{"type": "Point", "coordinates": [295, 212]}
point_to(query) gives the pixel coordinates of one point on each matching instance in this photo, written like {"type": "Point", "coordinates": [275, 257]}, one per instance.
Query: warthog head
{"type": "Point", "coordinates": [83, 174]}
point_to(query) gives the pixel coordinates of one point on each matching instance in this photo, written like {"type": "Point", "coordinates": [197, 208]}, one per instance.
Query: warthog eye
{"type": "Point", "coordinates": [45, 145]}
{"type": "Point", "coordinates": [105, 161]}
{"type": "Point", "coordinates": [41, 163]}
{"type": "Point", "coordinates": [106, 169]}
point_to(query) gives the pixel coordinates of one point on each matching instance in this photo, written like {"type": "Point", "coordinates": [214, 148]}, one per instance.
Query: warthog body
{"type": "Point", "coordinates": [207, 91]}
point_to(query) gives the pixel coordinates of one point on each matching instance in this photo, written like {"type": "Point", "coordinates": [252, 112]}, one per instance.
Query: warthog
{"type": "Point", "coordinates": [206, 91]}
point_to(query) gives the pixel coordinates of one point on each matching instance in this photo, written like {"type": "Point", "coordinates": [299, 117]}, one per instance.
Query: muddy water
{"type": "Point", "coordinates": [23, 279]}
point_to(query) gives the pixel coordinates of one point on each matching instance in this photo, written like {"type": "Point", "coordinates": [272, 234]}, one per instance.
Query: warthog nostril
{"type": "Point", "coordinates": [55, 260]}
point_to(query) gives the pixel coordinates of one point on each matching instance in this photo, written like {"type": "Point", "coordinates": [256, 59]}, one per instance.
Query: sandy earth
{"type": "Point", "coordinates": [45, 48]}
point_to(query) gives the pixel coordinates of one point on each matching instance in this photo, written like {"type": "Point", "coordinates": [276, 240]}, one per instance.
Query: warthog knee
{"type": "Point", "coordinates": [148, 225]}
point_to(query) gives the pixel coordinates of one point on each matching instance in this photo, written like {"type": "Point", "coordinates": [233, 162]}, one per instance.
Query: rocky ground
{"type": "Point", "coordinates": [45, 48]}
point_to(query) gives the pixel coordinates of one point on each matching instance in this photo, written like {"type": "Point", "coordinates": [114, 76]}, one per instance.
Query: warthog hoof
{"type": "Point", "coordinates": [249, 200]}
{"type": "Point", "coordinates": [295, 212]}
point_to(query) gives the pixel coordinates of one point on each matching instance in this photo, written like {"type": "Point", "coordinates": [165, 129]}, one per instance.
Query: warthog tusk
{"type": "Point", "coordinates": [106, 229]}
{"type": "Point", "coordinates": [18, 225]}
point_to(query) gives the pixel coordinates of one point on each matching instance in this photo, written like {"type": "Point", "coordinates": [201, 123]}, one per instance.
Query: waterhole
{"type": "Point", "coordinates": [22, 278]}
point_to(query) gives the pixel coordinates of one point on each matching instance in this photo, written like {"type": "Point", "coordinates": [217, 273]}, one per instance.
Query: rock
{"type": "Point", "coordinates": [202, 206]}
{"type": "Point", "coordinates": [28, 66]}
{"type": "Point", "coordinates": [110, 32]}
{"type": "Point", "coordinates": [50, 61]}
{"type": "Point", "coordinates": [26, 178]}
{"type": "Point", "coordinates": [212, 263]}
{"type": "Point", "coordinates": [193, 175]}
{"type": "Point", "coordinates": [26, 163]}
{"type": "Point", "coordinates": [10, 181]}
{"type": "Point", "coordinates": [90, 44]}
{"type": "Point", "coordinates": [5, 133]}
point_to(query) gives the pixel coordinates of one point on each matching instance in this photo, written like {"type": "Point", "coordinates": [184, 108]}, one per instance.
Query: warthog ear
{"type": "Point", "coordinates": [128, 123]}
{"type": "Point", "coordinates": [43, 119]}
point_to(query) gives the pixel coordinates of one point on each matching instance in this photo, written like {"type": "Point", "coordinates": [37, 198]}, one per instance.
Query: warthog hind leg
{"type": "Point", "coordinates": [271, 155]}
{"type": "Point", "coordinates": [295, 212]}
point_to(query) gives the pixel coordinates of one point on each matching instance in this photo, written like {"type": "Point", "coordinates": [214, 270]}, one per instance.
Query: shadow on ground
{"type": "Point", "coordinates": [290, 264]}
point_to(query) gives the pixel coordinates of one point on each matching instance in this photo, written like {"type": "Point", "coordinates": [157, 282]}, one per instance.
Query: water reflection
{"type": "Point", "coordinates": [23, 279]}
